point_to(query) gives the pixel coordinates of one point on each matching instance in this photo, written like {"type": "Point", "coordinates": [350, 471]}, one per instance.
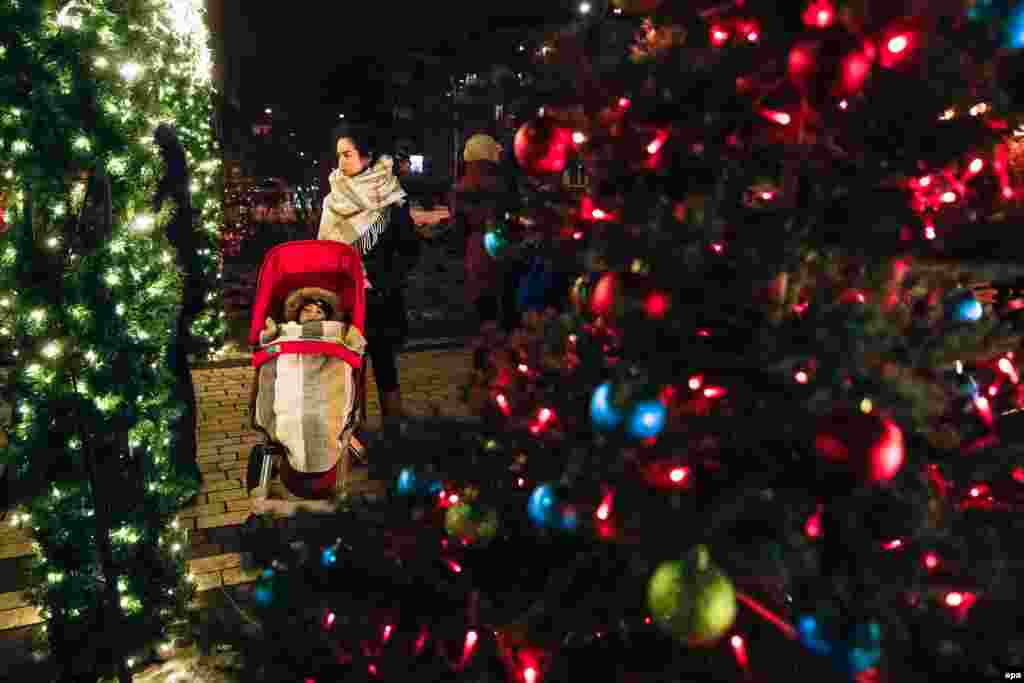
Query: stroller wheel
{"type": "Point", "coordinates": [261, 467]}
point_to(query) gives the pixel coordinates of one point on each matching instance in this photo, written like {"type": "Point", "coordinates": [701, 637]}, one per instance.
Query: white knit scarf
{"type": "Point", "coordinates": [356, 204]}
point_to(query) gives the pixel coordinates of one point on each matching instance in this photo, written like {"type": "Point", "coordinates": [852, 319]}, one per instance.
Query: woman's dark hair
{"type": "Point", "coordinates": [365, 139]}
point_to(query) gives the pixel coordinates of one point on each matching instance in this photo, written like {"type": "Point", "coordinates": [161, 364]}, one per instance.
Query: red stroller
{"type": "Point", "coordinates": [309, 392]}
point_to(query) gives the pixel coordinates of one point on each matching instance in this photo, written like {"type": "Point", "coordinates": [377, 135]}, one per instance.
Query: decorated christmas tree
{"type": "Point", "coordinates": [773, 432]}
{"type": "Point", "coordinates": [110, 208]}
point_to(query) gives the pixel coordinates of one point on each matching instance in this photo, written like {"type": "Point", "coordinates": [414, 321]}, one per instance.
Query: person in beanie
{"type": "Point", "coordinates": [490, 286]}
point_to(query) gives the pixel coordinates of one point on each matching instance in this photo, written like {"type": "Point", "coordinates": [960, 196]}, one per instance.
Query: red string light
{"type": "Point", "coordinates": [739, 650]}
{"type": "Point", "coordinates": [678, 475]}
{"type": "Point", "coordinates": [812, 527]}
{"type": "Point", "coordinates": [760, 610]}
{"type": "Point", "coordinates": [931, 560]}
{"type": "Point", "coordinates": [819, 14]}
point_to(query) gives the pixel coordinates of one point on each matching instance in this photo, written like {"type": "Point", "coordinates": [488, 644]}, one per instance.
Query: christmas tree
{"type": "Point", "coordinates": [111, 197]}
{"type": "Point", "coordinates": [774, 430]}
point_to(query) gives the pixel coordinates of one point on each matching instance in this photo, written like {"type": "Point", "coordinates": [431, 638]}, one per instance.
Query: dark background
{"type": "Point", "coordinates": [327, 52]}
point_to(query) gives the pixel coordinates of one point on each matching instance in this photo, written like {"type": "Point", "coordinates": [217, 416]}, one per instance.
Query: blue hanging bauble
{"type": "Point", "coordinates": [496, 241]}
{"type": "Point", "coordinates": [543, 507]}
{"type": "Point", "coordinates": [329, 556]}
{"type": "Point", "coordinates": [603, 413]}
{"type": "Point", "coordinates": [963, 307]}
{"type": "Point", "coordinates": [647, 419]}
{"type": "Point", "coordinates": [407, 482]}
{"type": "Point", "coordinates": [1013, 34]}
{"type": "Point", "coordinates": [810, 635]}
{"type": "Point", "coordinates": [865, 650]}
{"type": "Point", "coordinates": [264, 593]}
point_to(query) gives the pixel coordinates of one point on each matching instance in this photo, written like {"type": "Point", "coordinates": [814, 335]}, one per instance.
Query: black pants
{"type": "Point", "coordinates": [503, 307]}
{"type": "Point", "coordinates": [387, 327]}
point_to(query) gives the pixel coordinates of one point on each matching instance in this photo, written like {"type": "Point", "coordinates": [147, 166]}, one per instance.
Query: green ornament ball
{"type": "Point", "coordinates": [473, 523]}
{"type": "Point", "coordinates": [692, 599]}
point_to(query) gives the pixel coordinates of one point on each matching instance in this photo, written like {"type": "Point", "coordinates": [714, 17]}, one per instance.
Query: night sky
{"type": "Point", "coordinates": [302, 58]}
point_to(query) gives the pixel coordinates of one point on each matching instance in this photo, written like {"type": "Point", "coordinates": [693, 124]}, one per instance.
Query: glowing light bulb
{"type": "Point", "coordinates": [130, 71]}
{"type": "Point", "coordinates": [897, 44]}
{"type": "Point", "coordinates": [801, 377]}
{"type": "Point", "coordinates": [931, 560]}
{"type": "Point", "coordinates": [678, 474]}
{"type": "Point", "coordinates": [976, 165]}
{"type": "Point", "coordinates": [579, 138]}
{"type": "Point", "coordinates": [954, 599]}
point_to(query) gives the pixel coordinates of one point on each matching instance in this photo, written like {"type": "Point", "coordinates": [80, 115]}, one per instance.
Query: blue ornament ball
{"type": "Point", "coordinates": [1013, 37]}
{"type": "Point", "coordinates": [496, 242]}
{"type": "Point", "coordinates": [866, 650]}
{"type": "Point", "coordinates": [329, 557]}
{"type": "Point", "coordinates": [407, 482]}
{"type": "Point", "coordinates": [647, 419]}
{"type": "Point", "coordinates": [963, 307]}
{"type": "Point", "coordinates": [811, 636]}
{"type": "Point", "coordinates": [603, 413]}
{"type": "Point", "coordinates": [543, 506]}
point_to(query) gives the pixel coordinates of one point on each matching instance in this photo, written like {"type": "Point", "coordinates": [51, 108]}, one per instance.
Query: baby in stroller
{"type": "Point", "coordinates": [308, 391]}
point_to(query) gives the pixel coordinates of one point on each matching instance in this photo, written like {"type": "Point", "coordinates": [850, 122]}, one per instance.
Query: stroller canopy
{"type": "Point", "coordinates": [330, 265]}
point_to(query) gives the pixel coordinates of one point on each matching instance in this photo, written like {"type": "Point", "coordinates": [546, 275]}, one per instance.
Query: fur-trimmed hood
{"type": "Point", "coordinates": [293, 304]}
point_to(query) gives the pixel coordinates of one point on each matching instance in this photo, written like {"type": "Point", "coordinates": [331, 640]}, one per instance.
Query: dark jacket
{"type": "Point", "coordinates": [387, 266]}
{"type": "Point", "coordinates": [396, 253]}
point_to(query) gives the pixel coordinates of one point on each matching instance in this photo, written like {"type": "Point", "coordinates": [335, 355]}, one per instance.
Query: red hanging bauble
{"type": "Point", "coordinates": [605, 294]}
{"type": "Point", "coordinates": [867, 445]}
{"type": "Point", "coordinates": [542, 147]}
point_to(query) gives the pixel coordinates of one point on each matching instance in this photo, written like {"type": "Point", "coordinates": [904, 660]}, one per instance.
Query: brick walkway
{"type": "Point", "coordinates": [429, 378]}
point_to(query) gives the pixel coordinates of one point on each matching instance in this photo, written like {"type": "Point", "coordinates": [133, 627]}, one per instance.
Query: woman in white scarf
{"type": "Point", "coordinates": [367, 208]}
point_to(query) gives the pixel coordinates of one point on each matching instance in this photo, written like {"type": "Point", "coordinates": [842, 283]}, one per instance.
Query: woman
{"type": "Point", "coordinates": [367, 208]}
{"type": "Point", "coordinates": [489, 286]}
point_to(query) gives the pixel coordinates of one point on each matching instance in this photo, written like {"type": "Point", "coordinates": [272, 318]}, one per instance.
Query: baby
{"type": "Point", "coordinates": [302, 307]}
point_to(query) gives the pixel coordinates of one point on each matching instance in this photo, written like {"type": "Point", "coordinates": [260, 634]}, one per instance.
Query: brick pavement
{"type": "Point", "coordinates": [429, 378]}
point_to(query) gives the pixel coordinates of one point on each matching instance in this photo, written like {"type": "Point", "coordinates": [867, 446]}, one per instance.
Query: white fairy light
{"type": "Point", "coordinates": [51, 350]}
{"type": "Point", "coordinates": [101, 62]}
{"type": "Point", "coordinates": [130, 71]}
{"type": "Point", "coordinates": [82, 144]}
{"type": "Point", "coordinates": [143, 223]}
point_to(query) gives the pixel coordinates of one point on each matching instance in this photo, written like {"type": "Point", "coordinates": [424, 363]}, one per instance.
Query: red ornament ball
{"type": "Point", "coordinates": [869, 446]}
{"type": "Point", "coordinates": [605, 294]}
{"type": "Point", "coordinates": [542, 147]}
